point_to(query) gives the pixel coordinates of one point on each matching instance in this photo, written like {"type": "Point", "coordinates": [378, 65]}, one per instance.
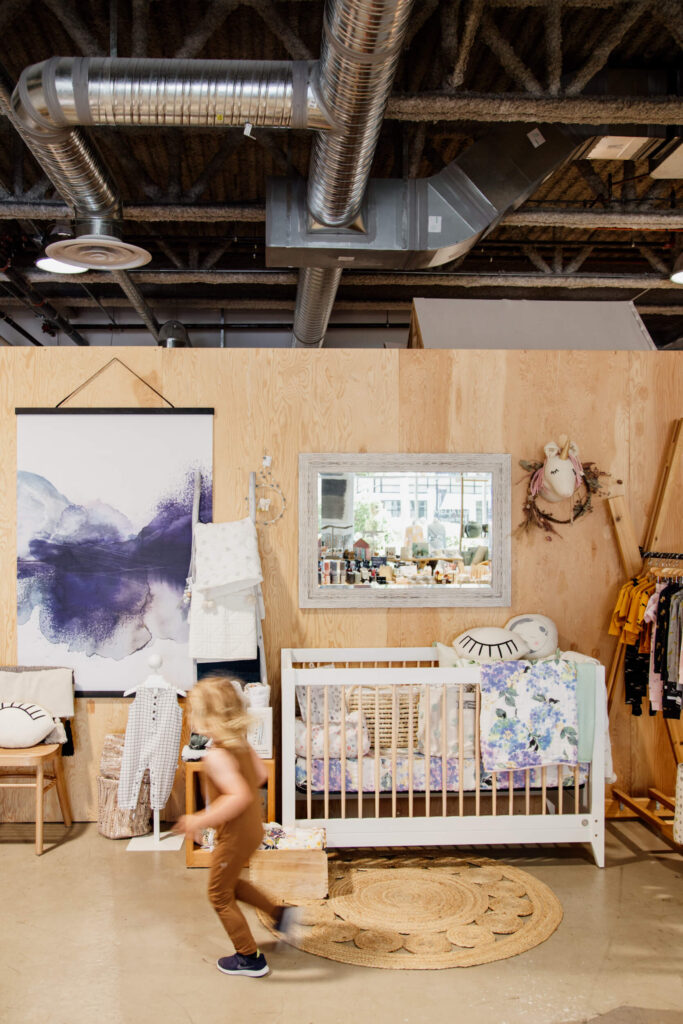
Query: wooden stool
{"type": "Point", "coordinates": [35, 758]}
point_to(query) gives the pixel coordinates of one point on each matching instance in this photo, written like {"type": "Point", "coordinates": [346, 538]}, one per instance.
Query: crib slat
{"type": "Point", "coordinates": [326, 748]}
{"type": "Point", "coordinates": [376, 745]}
{"type": "Point", "coordinates": [494, 793]}
{"type": "Point", "coordinates": [343, 753]}
{"type": "Point", "coordinates": [410, 750]}
{"type": "Point", "coordinates": [461, 749]}
{"type": "Point", "coordinates": [576, 789]}
{"type": "Point", "coordinates": [428, 747]}
{"type": "Point", "coordinates": [511, 792]}
{"type": "Point", "coordinates": [560, 789]}
{"type": "Point", "coordinates": [309, 766]}
{"type": "Point", "coordinates": [394, 744]}
{"type": "Point", "coordinates": [477, 751]}
{"type": "Point", "coordinates": [543, 789]}
{"type": "Point", "coordinates": [527, 791]}
{"type": "Point", "coordinates": [444, 768]}
{"type": "Point", "coordinates": [359, 758]}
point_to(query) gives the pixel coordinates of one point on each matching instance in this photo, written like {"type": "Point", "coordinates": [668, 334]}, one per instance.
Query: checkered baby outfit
{"type": "Point", "coordinates": [152, 741]}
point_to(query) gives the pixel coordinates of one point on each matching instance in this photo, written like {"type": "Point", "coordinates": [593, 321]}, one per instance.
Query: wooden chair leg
{"type": "Point", "coordinates": [40, 777]}
{"type": "Point", "coordinates": [62, 792]}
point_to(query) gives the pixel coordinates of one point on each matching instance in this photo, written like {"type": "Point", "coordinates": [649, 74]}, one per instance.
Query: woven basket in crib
{"type": "Point", "coordinates": [393, 717]}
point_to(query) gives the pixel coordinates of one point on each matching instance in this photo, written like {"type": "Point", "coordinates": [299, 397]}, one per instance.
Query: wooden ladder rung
{"type": "Point", "coordinates": [662, 798]}
{"type": "Point", "coordinates": [665, 828]}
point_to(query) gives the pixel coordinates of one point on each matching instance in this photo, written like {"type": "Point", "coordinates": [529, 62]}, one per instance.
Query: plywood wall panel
{"type": "Point", "coordinates": [618, 406]}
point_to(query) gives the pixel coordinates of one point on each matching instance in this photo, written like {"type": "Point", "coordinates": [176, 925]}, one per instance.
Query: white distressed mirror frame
{"type": "Point", "coordinates": [313, 595]}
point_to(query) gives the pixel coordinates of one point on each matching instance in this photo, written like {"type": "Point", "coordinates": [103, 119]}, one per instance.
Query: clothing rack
{"type": "Point", "coordinates": [657, 808]}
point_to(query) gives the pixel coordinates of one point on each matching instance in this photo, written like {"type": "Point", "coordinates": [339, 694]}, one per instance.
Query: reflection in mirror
{"type": "Point", "coordinates": [404, 529]}
{"type": "Point", "coordinates": [396, 529]}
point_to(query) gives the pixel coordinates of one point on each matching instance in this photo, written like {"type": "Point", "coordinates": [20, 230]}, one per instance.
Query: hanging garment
{"type": "Point", "coordinates": [223, 607]}
{"type": "Point", "coordinates": [654, 678]}
{"type": "Point", "coordinates": [224, 628]}
{"type": "Point", "coordinates": [674, 643]}
{"type": "Point", "coordinates": [226, 557]}
{"type": "Point", "coordinates": [528, 714]}
{"type": "Point", "coordinates": [152, 741]}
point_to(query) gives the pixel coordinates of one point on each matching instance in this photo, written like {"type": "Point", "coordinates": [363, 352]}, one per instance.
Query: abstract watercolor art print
{"type": "Point", "coordinates": [104, 536]}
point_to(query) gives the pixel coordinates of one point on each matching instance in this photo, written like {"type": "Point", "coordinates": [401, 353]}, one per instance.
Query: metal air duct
{"type": "Point", "coordinates": [425, 222]}
{"type": "Point", "coordinates": [361, 46]}
{"type": "Point", "coordinates": [52, 97]}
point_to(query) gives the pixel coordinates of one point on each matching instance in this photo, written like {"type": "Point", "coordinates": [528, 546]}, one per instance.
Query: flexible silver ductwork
{"type": "Point", "coordinates": [55, 96]}
{"type": "Point", "coordinates": [361, 46]}
{"type": "Point", "coordinates": [66, 91]}
{"type": "Point", "coordinates": [316, 293]}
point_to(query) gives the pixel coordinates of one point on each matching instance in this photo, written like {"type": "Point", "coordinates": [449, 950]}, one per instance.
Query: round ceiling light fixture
{"type": "Point", "coordinates": [98, 252]}
{"type": "Point", "coordinates": [57, 267]}
{"type": "Point", "coordinates": [677, 272]}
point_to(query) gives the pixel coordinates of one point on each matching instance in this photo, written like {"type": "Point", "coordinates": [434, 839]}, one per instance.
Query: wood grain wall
{"type": "Point", "coordinates": [618, 406]}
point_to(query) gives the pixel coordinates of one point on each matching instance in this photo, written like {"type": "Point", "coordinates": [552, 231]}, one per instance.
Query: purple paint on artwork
{"type": "Point", "coordinates": [100, 587]}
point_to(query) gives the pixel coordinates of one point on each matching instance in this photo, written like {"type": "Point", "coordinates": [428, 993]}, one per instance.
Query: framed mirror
{"type": "Point", "coordinates": [403, 531]}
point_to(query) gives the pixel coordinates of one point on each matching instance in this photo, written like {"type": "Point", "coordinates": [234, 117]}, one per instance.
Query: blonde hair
{"type": "Point", "coordinates": [218, 711]}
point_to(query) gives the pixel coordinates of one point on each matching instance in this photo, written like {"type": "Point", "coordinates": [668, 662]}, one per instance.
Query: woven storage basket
{"type": "Point", "coordinates": [114, 823]}
{"type": "Point", "coordinates": [379, 698]}
{"type": "Point", "coordinates": [112, 753]}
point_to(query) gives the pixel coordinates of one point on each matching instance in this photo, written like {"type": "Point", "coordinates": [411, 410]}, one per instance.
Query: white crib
{"type": "Point", "coordinates": [395, 795]}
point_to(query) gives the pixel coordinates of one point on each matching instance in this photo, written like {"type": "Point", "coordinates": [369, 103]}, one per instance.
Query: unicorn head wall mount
{"type": "Point", "coordinates": [561, 477]}
{"type": "Point", "coordinates": [561, 473]}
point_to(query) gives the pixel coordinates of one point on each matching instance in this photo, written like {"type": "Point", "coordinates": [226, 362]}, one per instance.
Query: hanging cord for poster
{"type": "Point", "coordinates": [96, 374]}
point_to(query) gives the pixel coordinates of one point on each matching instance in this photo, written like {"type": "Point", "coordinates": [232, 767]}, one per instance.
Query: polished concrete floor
{"type": "Point", "coordinates": [93, 934]}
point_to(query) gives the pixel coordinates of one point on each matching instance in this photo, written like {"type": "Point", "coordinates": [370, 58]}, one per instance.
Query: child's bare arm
{"type": "Point", "coordinates": [235, 796]}
{"type": "Point", "coordinates": [259, 767]}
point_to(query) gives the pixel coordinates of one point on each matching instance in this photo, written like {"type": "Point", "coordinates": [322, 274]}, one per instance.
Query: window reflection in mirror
{"type": "Point", "coordinates": [382, 530]}
{"type": "Point", "coordinates": [399, 530]}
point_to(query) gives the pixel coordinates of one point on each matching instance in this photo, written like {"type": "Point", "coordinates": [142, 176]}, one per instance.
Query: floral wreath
{"type": "Point", "coordinates": [582, 501]}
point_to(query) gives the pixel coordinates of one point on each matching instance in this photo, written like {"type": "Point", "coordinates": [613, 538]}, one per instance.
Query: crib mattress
{"type": "Point", "coordinates": [419, 769]}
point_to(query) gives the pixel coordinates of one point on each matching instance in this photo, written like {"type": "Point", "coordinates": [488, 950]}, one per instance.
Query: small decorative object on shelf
{"type": "Point", "coordinates": [561, 477]}
{"type": "Point", "coordinates": [270, 501]}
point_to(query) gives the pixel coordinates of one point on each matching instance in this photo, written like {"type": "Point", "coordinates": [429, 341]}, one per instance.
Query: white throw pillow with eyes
{"type": "Point", "coordinates": [538, 631]}
{"type": "Point", "coordinates": [490, 643]}
{"type": "Point", "coordinates": [23, 725]}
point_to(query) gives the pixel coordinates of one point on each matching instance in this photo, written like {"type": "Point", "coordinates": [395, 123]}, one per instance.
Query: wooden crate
{"type": "Point", "coordinates": [290, 876]}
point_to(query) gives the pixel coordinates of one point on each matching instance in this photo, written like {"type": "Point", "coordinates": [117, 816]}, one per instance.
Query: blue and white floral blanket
{"type": "Point", "coordinates": [528, 714]}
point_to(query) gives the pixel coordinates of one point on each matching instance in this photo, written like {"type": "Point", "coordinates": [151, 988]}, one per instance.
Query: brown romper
{"type": "Point", "coordinates": [236, 840]}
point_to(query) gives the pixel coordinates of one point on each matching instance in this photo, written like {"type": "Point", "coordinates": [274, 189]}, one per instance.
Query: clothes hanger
{"type": "Point", "coordinates": [155, 681]}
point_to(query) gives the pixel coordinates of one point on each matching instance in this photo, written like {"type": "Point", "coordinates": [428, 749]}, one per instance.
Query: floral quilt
{"type": "Point", "coordinates": [528, 714]}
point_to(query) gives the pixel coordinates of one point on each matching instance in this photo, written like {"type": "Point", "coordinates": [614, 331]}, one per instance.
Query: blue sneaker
{"type": "Point", "coordinates": [249, 966]}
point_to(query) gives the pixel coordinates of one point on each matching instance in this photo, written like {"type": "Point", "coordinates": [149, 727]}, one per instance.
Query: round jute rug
{"type": "Point", "coordinates": [419, 913]}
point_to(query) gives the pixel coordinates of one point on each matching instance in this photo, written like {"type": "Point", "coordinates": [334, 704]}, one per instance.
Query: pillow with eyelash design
{"type": "Point", "coordinates": [490, 643]}
{"type": "Point", "coordinates": [23, 725]}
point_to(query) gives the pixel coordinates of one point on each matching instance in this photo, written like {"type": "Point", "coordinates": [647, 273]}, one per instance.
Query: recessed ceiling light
{"type": "Point", "coordinates": [677, 272]}
{"type": "Point", "coordinates": [57, 267]}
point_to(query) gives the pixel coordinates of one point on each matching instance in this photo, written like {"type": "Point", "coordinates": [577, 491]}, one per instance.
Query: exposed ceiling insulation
{"type": "Point", "coordinates": [195, 198]}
